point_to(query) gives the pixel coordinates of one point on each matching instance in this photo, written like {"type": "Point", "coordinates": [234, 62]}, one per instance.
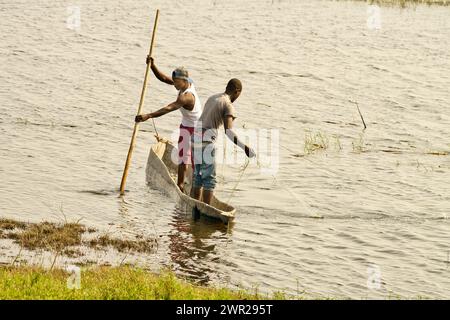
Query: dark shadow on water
{"type": "Point", "coordinates": [104, 192]}
{"type": "Point", "coordinates": [193, 245]}
{"type": "Point", "coordinates": [99, 192]}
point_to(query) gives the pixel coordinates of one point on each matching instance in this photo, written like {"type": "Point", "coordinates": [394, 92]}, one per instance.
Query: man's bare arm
{"type": "Point", "coordinates": [182, 100]}
{"type": "Point", "coordinates": [158, 74]}
{"type": "Point", "coordinates": [228, 124]}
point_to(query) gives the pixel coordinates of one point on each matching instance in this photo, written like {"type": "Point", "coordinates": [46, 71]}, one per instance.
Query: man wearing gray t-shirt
{"type": "Point", "coordinates": [218, 111]}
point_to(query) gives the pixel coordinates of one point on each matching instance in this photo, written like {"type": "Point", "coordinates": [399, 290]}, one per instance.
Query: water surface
{"type": "Point", "coordinates": [68, 99]}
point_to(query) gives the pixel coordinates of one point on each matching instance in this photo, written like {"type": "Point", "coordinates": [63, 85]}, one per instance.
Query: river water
{"type": "Point", "coordinates": [364, 218]}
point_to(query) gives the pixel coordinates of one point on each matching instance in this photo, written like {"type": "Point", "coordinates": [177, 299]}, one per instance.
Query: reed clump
{"type": "Point", "coordinates": [141, 246]}
{"type": "Point", "coordinates": [9, 224]}
{"type": "Point", "coordinates": [66, 238]}
{"type": "Point", "coordinates": [315, 141]}
{"type": "Point", "coordinates": [358, 144]}
{"type": "Point", "coordinates": [406, 3]}
{"type": "Point", "coordinates": [51, 236]}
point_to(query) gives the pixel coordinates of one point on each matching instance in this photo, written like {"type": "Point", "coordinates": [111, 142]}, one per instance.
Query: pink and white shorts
{"type": "Point", "coordinates": [184, 144]}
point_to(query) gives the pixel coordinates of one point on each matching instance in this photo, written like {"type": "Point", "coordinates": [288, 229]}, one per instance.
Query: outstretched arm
{"type": "Point", "coordinates": [183, 100]}
{"type": "Point", "coordinates": [158, 74]}
{"type": "Point", "coordinates": [228, 124]}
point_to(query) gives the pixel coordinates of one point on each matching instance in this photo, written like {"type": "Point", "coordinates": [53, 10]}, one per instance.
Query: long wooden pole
{"type": "Point", "coordinates": [141, 103]}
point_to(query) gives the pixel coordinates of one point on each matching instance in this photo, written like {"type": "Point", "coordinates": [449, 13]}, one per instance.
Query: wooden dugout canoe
{"type": "Point", "coordinates": [161, 172]}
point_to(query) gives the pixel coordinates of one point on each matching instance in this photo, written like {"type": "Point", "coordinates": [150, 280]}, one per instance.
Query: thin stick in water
{"type": "Point", "coordinates": [360, 114]}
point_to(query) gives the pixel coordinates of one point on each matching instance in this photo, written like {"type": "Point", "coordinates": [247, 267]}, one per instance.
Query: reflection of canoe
{"type": "Point", "coordinates": [161, 173]}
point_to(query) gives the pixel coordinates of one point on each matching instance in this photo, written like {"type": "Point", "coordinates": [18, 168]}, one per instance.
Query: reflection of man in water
{"type": "Point", "coordinates": [192, 248]}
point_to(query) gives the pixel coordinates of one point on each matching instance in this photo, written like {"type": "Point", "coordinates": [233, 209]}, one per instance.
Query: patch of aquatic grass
{"type": "Point", "coordinates": [338, 144]}
{"type": "Point", "coordinates": [51, 236]}
{"type": "Point", "coordinates": [358, 144]}
{"type": "Point", "coordinates": [315, 141]}
{"type": "Point", "coordinates": [121, 283]}
{"type": "Point", "coordinates": [405, 3]}
{"type": "Point", "coordinates": [9, 224]}
{"type": "Point", "coordinates": [62, 238]}
{"type": "Point", "coordinates": [146, 245]}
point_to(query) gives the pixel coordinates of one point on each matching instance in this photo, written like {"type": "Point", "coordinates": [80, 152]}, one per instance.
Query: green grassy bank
{"type": "Point", "coordinates": [107, 283]}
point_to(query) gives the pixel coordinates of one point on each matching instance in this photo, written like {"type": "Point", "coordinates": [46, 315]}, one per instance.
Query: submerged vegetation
{"type": "Point", "coordinates": [317, 141]}
{"type": "Point", "coordinates": [9, 224]}
{"type": "Point", "coordinates": [358, 144]}
{"type": "Point", "coordinates": [49, 236]}
{"type": "Point", "coordinates": [142, 246]}
{"type": "Point", "coordinates": [405, 3]}
{"type": "Point", "coordinates": [65, 238]}
{"type": "Point", "coordinates": [106, 283]}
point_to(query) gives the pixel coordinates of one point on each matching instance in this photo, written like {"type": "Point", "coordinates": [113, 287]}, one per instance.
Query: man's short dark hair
{"type": "Point", "coordinates": [233, 85]}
